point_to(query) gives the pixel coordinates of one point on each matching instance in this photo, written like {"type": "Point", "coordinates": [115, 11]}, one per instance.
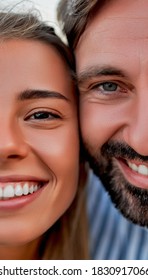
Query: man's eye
{"type": "Point", "coordinates": [109, 89]}
{"type": "Point", "coordinates": [109, 86]}
{"type": "Point", "coordinates": [106, 87]}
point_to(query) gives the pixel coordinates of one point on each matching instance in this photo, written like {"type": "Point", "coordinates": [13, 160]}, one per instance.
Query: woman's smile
{"type": "Point", "coordinates": [18, 191]}
{"type": "Point", "coordinates": [15, 186]}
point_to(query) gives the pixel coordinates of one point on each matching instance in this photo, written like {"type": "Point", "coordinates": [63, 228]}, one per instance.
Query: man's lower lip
{"type": "Point", "coordinates": [134, 178]}
{"type": "Point", "coordinates": [19, 202]}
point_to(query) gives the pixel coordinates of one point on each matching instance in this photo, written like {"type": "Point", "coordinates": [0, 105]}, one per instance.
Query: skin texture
{"type": "Point", "coordinates": [44, 146]}
{"type": "Point", "coordinates": [112, 72]}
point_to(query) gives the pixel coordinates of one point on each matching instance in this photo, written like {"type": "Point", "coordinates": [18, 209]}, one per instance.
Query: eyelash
{"type": "Point", "coordinates": [118, 91]}
{"type": "Point", "coordinates": [42, 113]}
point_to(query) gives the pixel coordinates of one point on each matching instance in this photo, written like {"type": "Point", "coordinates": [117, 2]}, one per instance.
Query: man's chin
{"type": "Point", "coordinates": [131, 201]}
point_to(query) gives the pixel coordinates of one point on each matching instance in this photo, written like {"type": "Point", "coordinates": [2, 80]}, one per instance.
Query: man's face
{"type": "Point", "coordinates": [112, 67]}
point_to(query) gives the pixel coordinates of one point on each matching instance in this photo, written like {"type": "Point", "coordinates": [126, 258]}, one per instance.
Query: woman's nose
{"type": "Point", "coordinates": [12, 143]}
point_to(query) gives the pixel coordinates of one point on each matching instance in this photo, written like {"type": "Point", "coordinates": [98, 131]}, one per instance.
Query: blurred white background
{"type": "Point", "coordinates": [47, 8]}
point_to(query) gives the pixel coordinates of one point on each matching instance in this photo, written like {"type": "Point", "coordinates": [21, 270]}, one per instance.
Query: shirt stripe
{"type": "Point", "coordinates": [112, 237]}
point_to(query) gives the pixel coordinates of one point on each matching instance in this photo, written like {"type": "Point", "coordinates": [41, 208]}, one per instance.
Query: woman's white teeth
{"type": "Point", "coordinates": [13, 190]}
{"type": "Point", "coordinates": [31, 189]}
{"type": "Point", "coordinates": [141, 169]}
{"type": "Point", "coordinates": [25, 189]}
{"type": "Point", "coordinates": [18, 191]}
{"type": "Point", "coordinates": [8, 191]}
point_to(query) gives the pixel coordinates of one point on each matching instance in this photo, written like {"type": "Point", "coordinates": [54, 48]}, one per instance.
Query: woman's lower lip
{"type": "Point", "coordinates": [19, 202]}
{"type": "Point", "coordinates": [133, 177]}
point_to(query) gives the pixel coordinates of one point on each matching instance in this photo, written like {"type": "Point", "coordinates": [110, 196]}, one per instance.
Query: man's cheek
{"type": "Point", "coordinates": [95, 125]}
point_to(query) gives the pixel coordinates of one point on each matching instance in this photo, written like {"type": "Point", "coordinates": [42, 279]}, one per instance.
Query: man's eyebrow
{"type": "Point", "coordinates": [39, 94]}
{"type": "Point", "coordinates": [97, 71]}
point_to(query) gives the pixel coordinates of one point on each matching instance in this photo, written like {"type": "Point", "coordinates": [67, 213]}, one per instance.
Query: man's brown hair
{"type": "Point", "coordinates": [74, 15]}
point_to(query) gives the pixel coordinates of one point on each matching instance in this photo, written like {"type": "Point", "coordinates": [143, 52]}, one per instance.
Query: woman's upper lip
{"type": "Point", "coordinates": [22, 178]}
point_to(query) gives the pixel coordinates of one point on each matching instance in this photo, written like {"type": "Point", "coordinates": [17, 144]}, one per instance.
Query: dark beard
{"type": "Point", "coordinates": [129, 199]}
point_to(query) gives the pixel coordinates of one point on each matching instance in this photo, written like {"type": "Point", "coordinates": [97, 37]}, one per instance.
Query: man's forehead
{"type": "Point", "coordinates": [122, 9]}
{"type": "Point", "coordinates": [115, 35]}
{"type": "Point", "coordinates": [113, 19]}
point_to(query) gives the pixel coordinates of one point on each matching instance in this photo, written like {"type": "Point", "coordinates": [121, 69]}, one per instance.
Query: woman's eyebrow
{"type": "Point", "coordinates": [38, 94]}
{"type": "Point", "coordinates": [97, 71]}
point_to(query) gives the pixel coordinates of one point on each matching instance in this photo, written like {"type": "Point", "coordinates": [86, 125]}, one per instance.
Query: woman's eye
{"type": "Point", "coordinates": [43, 115]}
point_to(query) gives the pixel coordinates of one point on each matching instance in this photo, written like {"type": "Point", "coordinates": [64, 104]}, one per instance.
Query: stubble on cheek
{"type": "Point", "coordinates": [131, 201]}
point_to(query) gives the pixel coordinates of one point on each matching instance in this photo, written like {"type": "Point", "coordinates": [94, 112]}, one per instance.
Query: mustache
{"type": "Point", "coordinates": [120, 149]}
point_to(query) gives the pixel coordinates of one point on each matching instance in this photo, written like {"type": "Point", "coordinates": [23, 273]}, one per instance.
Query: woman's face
{"type": "Point", "coordinates": [39, 143]}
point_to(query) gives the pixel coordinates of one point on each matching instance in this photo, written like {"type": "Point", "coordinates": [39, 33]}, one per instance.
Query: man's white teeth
{"type": "Point", "coordinates": [15, 190]}
{"type": "Point", "coordinates": [141, 169]}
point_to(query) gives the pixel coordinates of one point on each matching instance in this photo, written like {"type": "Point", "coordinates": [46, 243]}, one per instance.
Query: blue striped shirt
{"type": "Point", "coordinates": [112, 237]}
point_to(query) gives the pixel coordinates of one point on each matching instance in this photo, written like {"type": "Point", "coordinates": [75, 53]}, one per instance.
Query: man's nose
{"type": "Point", "coordinates": [135, 133]}
{"type": "Point", "coordinates": [12, 143]}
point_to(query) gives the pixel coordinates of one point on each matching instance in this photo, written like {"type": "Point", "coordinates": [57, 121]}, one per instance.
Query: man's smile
{"type": "Point", "coordinates": [139, 168]}
{"type": "Point", "coordinates": [135, 173]}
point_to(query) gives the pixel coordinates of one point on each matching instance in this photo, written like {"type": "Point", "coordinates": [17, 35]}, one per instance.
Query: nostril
{"type": "Point", "coordinates": [13, 156]}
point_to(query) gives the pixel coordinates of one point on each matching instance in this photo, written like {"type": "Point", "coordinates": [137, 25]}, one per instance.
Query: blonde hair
{"type": "Point", "coordinates": [29, 26]}
{"type": "Point", "coordinates": [67, 238]}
